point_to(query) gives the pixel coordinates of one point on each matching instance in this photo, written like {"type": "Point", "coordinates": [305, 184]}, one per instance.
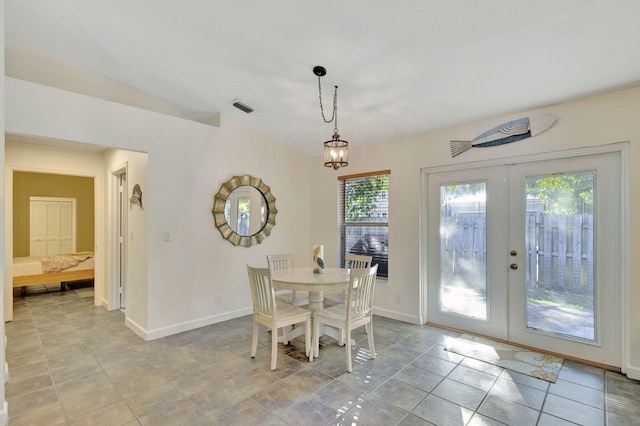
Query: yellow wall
{"type": "Point", "coordinates": [26, 185]}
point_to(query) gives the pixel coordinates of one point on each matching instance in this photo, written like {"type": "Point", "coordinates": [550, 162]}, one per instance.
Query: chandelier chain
{"type": "Point", "coordinates": [336, 150]}
{"type": "Point", "coordinates": [334, 114]}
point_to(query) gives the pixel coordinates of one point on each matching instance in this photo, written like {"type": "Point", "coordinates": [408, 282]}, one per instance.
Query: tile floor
{"type": "Point", "coordinates": [71, 363]}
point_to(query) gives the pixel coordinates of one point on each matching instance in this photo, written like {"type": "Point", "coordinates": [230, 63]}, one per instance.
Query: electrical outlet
{"type": "Point", "coordinates": [398, 298]}
{"type": "Point", "coordinates": [166, 236]}
{"type": "Point", "coordinates": [133, 306]}
{"type": "Point", "coordinates": [217, 300]}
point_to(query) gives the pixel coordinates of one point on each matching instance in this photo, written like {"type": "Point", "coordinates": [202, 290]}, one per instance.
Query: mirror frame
{"type": "Point", "coordinates": [221, 199]}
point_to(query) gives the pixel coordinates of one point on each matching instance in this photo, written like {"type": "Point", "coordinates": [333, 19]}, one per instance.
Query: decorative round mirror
{"type": "Point", "coordinates": [244, 210]}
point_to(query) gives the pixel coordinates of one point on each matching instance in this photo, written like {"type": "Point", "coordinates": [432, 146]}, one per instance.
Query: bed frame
{"type": "Point", "coordinates": [53, 277]}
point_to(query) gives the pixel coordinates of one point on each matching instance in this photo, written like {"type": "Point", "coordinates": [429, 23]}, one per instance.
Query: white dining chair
{"type": "Point", "coordinates": [273, 315]}
{"type": "Point", "coordinates": [356, 312]}
{"type": "Point", "coordinates": [351, 261]}
{"type": "Point", "coordinates": [281, 262]}
{"type": "Point", "coordinates": [357, 261]}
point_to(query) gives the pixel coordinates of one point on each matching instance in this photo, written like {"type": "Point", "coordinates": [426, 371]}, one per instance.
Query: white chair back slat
{"type": "Point", "coordinates": [280, 262]}
{"type": "Point", "coordinates": [357, 261]}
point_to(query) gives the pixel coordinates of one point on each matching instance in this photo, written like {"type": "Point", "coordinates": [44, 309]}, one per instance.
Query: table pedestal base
{"type": "Point", "coordinates": [326, 331]}
{"type": "Point", "coordinates": [316, 303]}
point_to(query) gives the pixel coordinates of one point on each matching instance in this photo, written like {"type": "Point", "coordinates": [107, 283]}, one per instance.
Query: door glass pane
{"type": "Point", "coordinates": [559, 238]}
{"type": "Point", "coordinates": [244, 212]}
{"type": "Point", "coordinates": [463, 268]}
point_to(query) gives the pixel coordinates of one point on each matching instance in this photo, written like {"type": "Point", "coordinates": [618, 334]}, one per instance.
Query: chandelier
{"type": "Point", "coordinates": [336, 150]}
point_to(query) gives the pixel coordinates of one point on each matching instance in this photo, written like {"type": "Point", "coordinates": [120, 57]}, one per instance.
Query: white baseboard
{"type": "Point", "coordinates": [185, 326]}
{"type": "Point", "coordinates": [399, 316]}
{"type": "Point", "coordinates": [136, 328]}
{"type": "Point", "coordinates": [214, 319]}
{"type": "Point", "coordinates": [4, 414]}
{"type": "Point", "coordinates": [633, 372]}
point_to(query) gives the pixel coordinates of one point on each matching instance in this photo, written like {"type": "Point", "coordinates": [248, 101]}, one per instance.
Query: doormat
{"type": "Point", "coordinates": [525, 361]}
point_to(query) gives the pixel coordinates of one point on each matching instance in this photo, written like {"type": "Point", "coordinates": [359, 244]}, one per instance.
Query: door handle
{"type": "Point", "coordinates": [513, 253]}
{"type": "Point", "coordinates": [513, 266]}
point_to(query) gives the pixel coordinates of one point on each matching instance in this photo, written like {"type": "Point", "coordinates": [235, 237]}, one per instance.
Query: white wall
{"type": "Point", "coordinates": [187, 162]}
{"type": "Point", "coordinates": [3, 402]}
{"type": "Point", "coordinates": [596, 121]}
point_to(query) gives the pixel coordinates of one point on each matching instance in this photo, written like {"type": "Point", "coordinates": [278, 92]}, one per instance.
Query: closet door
{"type": "Point", "coordinates": [52, 226]}
{"type": "Point", "coordinates": [38, 228]}
{"type": "Point", "coordinates": [64, 231]}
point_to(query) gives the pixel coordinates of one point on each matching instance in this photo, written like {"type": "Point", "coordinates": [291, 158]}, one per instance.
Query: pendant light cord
{"type": "Point", "coordinates": [334, 115]}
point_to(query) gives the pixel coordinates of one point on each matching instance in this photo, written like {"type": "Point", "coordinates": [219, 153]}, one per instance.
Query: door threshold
{"type": "Point", "coordinates": [570, 358]}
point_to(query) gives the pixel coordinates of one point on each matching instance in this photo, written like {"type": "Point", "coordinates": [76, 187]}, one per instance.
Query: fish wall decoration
{"type": "Point", "coordinates": [136, 198]}
{"type": "Point", "coordinates": [508, 132]}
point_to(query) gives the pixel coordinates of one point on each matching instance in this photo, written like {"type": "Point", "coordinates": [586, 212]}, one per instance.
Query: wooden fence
{"type": "Point", "coordinates": [559, 253]}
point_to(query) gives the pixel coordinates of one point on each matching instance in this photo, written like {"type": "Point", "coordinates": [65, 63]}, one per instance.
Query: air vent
{"type": "Point", "coordinates": [242, 107]}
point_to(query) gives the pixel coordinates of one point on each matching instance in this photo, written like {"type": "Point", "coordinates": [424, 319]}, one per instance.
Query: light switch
{"type": "Point", "coordinates": [166, 236]}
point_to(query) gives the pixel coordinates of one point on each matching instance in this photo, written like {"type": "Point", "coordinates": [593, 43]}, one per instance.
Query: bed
{"type": "Point", "coordinates": [58, 268]}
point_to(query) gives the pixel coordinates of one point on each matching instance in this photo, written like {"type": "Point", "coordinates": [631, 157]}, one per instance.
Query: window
{"type": "Point", "coordinates": [364, 217]}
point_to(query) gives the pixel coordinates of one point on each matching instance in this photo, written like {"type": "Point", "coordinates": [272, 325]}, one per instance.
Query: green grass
{"type": "Point", "coordinates": [561, 298]}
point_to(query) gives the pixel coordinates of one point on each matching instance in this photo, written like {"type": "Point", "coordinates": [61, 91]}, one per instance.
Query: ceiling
{"type": "Point", "coordinates": [403, 68]}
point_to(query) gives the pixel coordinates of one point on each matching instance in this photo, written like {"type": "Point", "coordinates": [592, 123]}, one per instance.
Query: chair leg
{"type": "Point", "coordinates": [369, 329]}
{"type": "Point", "coordinates": [274, 348]}
{"type": "Point", "coordinates": [316, 337]}
{"type": "Point", "coordinates": [285, 335]}
{"type": "Point", "coordinates": [307, 339]}
{"type": "Point", "coordinates": [348, 348]}
{"type": "Point", "coordinates": [342, 337]}
{"type": "Point", "coordinates": [254, 340]}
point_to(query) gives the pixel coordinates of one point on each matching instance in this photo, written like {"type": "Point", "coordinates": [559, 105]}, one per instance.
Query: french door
{"type": "Point", "coordinates": [529, 253]}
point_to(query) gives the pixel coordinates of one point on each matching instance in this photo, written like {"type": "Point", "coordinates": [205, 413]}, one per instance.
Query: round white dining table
{"type": "Point", "coordinates": [332, 280]}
